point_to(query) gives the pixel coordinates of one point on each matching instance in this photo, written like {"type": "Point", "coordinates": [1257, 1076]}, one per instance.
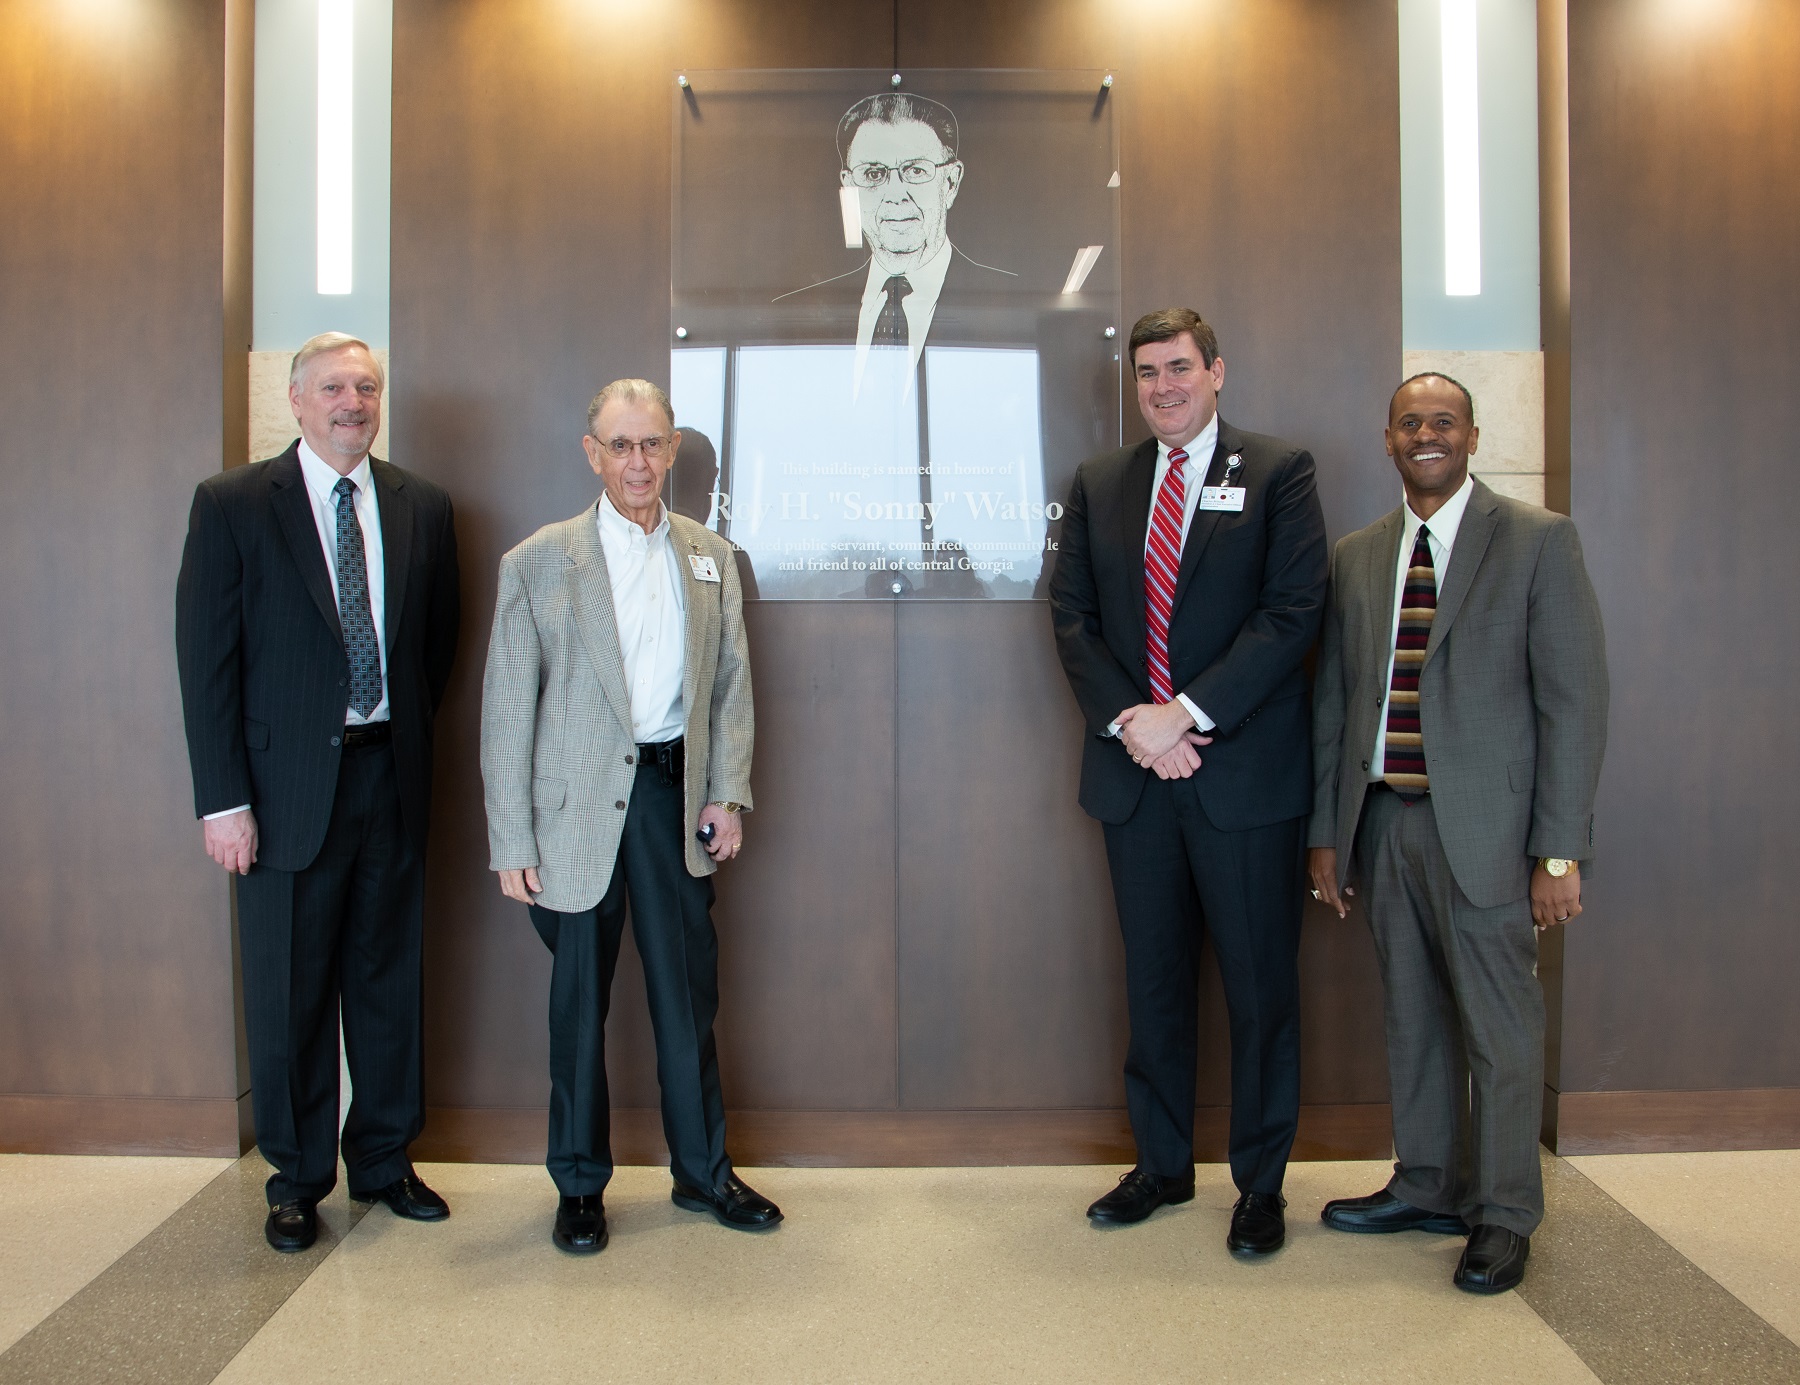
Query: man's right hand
{"type": "Point", "coordinates": [1321, 866]}
{"type": "Point", "coordinates": [231, 840]}
{"type": "Point", "coordinates": [522, 885]}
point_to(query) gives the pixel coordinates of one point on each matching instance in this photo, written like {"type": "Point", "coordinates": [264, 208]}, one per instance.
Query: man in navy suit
{"type": "Point", "coordinates": [1188, 588]}
{"type": "Point", "coordinates": [316, 621]}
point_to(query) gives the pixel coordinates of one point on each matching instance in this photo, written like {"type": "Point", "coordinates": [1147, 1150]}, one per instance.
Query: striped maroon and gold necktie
{"type": "Point", "coordinates": [1403, 763]}
{"type": "Point", "coordinates": [1162, 564]}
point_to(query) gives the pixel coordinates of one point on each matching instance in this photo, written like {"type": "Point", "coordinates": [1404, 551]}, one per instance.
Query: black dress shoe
{"type": "Point", "coordinates": [1257, 1226]}
{"type": "Point", "coordinates": [580, 1225]}
{"type": "Point", "coordinates": [733, 1202]}
{"type": "Point", "coordinates": [1140, 1193]}
{"type": "Point", "coordinates": [1383, 1212]}
{"type": "Point", "coordinates": [292, 1226]}
{"type": "Point", "coordinates": [408, 1197]}
{"type": "Point", "coordinates": [1493, 1261]}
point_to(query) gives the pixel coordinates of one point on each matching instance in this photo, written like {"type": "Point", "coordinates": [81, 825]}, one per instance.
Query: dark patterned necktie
{"type": "Point", "coordinates": [353, 604]}
{"type": "Point", "coordinates": [1162, 565]}
{"type": "Point", "coordinates": [890, 327]}
{"type": "Point", "coordinates": [1403, 762]}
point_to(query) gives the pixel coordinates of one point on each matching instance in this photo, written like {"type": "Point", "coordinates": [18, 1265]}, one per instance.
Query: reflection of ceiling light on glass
{"type": "Point", "coordinates": [337, 63]}
{"type": "Point", "coordinates": [1083, 266]}
{"type": "Point", "coordinates": [850, 206]}
{"type": "Point", "coordinates": [1462, 152]}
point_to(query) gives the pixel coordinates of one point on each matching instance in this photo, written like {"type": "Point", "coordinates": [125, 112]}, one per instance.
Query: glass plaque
{"type": "Point", "coordinates": [895, 327]}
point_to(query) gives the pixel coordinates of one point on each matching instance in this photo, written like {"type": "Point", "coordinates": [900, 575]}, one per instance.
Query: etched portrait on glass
{"type": "Point", "coordinates": [893, 323]}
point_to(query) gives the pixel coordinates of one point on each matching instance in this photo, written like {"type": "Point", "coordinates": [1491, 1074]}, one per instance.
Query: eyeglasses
{"type": "Point", "coordinates": [914, 171]}
{"type": "Point", "coordinates": [621, 448]}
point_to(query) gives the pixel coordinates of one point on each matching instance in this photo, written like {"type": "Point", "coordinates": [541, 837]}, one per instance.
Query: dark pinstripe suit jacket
{"type": "Point", "coordinates": [265, 681]}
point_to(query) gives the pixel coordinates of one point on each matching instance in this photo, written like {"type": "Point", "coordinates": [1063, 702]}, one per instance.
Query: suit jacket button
{"type": "Point", "coordinates": [628, 759]}
{"type": "Point", "coordinates": [620, 805]}
{"type": "Point", "coordinates": [1365, 766]}
{"type": "Point", "coordinates": [336, 739]}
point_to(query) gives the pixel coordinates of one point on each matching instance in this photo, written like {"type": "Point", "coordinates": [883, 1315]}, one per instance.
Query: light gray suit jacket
{"type": "Point", "coordinates": [1512, 696]}
{"type": "Point", "coordinates": [557, 747]}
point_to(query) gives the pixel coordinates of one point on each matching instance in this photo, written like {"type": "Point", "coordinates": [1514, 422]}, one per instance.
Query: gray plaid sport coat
{"type": "Point", "coordinates": [1512, 696]}
{"type": "Point", "coordinates": [556, 715]}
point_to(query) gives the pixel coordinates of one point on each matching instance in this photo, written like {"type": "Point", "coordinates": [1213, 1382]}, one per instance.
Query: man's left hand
{"type": "Point", "coordinates": [728, 832]}
{"type": "Point", "coordinates": [1555, 901]}
{"type": "Point", "coordinates": [1151, 730]}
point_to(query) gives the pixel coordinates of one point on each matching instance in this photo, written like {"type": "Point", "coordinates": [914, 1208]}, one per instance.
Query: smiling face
{"type": "Point", "coordinates": [337, 402]}
{"type": "Point", "coordinates": [1178, 393]}
{"type": "Point", "coordinates": [635, 480]}
{"type": "Point", "coordinates": [1431, 436]}
{"type": "Point", "coordinates": [905, 223]}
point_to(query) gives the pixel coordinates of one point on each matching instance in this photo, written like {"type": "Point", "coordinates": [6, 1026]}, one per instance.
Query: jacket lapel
{"type": "Point", "coordinates": [699, 624]}
{"type": "Point", "coordinates": [1384, 554]}
{"type": "Point", "coordinates": [293, 511]}
{"type": "Point", "coordinates": [1200, 532]}
{"type": "Point", "coordinates": [395, 508]}
{"type": "Point", "coordinates": [1136, 483]}
{"type": "Point", "coordinates": [590, 596]}
{"type": "Point", "coordinates": [1472, 536]}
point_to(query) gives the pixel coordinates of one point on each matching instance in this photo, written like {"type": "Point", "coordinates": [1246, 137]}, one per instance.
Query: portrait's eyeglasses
{"type": "Point", "coordinates": [914, 171]}
{"type": "Point", "coordinates": [653, 447]}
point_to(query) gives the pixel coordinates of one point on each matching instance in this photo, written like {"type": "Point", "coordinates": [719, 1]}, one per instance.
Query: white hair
{"type": "Point", "coordinates": [324, 344]}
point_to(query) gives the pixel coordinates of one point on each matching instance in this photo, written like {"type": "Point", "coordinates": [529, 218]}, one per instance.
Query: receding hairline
{"type": "Point", "coordinates": [1451, 380]}
{"type": "Point", "coordinates": [629, 391]}
{"type": "Point", "coordinates": [326, 344]}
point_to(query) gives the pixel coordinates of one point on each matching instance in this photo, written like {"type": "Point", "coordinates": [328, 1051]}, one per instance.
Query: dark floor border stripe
{"type": "Point", "coordinates": [177, 1306]}
{"type": "Point", "coordinates": [1632, 1307]}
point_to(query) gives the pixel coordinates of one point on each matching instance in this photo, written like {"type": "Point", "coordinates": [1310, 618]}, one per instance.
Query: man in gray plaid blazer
{"type": "Point", "coordinates": [616, 732]}
{"type": "Point", "coordinates": [1459, 721]}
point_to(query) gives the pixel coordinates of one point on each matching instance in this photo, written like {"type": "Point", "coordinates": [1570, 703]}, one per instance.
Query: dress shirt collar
{"type": "Point", "coordinates": [1443, 524]}
{"type": "Point", "coordinates": [616, 527]}
{"type": "Point", "coordinates": [927, 280]}
{"type": "Point", "coordinates": [1200, 450]}
{"type": "Point", "coordinates": [322, 478]}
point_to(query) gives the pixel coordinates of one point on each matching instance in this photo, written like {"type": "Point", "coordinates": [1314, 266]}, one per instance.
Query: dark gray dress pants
{"type": "Point", "coordinates": [1465, 1025]}
{"type": "Point", "coordinates": [671, 923]}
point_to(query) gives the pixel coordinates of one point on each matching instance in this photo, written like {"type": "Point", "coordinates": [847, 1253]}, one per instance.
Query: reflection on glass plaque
{"type": "Point", "coordinates": [891, 323]}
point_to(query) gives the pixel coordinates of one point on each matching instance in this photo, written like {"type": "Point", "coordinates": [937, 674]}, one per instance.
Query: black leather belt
{"type": "Point", "coordinates": [663, 756]}
{"type": "Point", "coordinates": [374, 733]}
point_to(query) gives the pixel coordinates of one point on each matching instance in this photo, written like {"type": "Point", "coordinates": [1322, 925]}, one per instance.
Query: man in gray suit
{"type": "Point", "coordinates": [1459, 723]}
{"type": "Point", "coordinates": [616, 732]}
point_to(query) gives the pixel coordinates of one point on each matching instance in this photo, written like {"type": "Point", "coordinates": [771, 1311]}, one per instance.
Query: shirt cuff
{"type": "Point", "coordinates": [1201, 720]}
{"type": "Point", "coordinates": [241, 808]}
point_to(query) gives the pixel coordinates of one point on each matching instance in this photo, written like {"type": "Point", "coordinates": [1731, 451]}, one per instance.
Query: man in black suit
{"type": "Point", "coordinates": [1188, 588]}
{"type": "Point", "coordinates": [316, 621]}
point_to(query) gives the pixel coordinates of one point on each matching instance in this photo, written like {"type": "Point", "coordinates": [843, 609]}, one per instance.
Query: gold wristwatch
{"type": "Point", "coordinates": [1556, 867]}
{"type": "Point", "coordinates": [729, 807]}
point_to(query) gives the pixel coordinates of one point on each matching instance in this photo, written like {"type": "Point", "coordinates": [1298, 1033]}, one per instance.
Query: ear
{"type": "Point", "coordinates": [591, 446]}
{"type": "Point", "coordinates": [952, 181]}
{"type": "Point", "coordinates": [1217, 371]}
{"type": "Point", "coordinates": [1387, 439]}
{"type": "Point", "coordinates": [674, 444]}
{"type": "Point", "coordinates": [294, 397]}
{"type": "Point", "coordinates": [1474, 439]}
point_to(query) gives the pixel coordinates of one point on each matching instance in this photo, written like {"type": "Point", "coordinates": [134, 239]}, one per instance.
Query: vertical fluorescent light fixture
{"type": "Point", "coordinates": [337, 65]}
{"type": "Point", "coordinates": [1462, 152]}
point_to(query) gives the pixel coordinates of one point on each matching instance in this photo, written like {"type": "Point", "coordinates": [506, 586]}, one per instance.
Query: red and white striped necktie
{"type": "Point", "coordinates": [1162, 562]}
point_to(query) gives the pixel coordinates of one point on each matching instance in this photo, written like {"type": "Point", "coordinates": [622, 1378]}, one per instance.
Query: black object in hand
{"type": "Point", "coordinates": [705, 835]}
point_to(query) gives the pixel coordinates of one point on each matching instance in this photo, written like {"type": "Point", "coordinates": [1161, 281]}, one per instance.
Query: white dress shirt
{"type": "Point", "coordinates": [321, 481]}
{"type": "Point", "coordinates": [1193, 472]}
{"type": "Point", "coordinates": [1440, 536]}
{"type": "Point", "coordinates": [650, 610]}
{"type": "Point", "coordinates": [927, 283]}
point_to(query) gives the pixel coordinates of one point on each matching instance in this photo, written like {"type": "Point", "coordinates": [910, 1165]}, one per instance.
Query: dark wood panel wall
{"type": "Point", "coordinates": [919, 949]}
{"type": "Point", "coordinates": [1685, 331]}
{"type": "Point", "coordinates": [124, 265]}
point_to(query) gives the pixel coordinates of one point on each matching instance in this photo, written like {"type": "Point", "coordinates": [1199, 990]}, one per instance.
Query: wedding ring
{"type": "Point", "coordinates": [1562, 918]}
{"type": "Point", "coordinates": [1317, 895]}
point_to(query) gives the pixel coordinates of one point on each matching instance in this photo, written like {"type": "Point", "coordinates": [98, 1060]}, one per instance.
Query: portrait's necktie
{"type": "Point", "coordinates": [890, 327]}
{"type": "Point", "coordinates": [1403, 761]}
{"type": "Point", "coordinates": [1162, 562]}
{"type": "Point", "coordinates": [353, 604]}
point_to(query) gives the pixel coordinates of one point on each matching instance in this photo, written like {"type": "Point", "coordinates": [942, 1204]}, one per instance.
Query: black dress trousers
{"type": "Point", "coordinates": [345, 931]}
{"type": "Point", "coordinates": [671, 922]}
{"type": "Point", "coordinates": [1174, 874]}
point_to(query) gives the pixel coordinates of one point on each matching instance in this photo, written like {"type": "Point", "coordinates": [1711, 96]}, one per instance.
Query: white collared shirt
{"type": "Point", "coordinates": [927, 282]}
{"type": "Point", "coordinates": [649, 608]}
{"type": "Point", "coordinates": [1440, 536]}
{"type": "Point", "coordinates": [321, 482]}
